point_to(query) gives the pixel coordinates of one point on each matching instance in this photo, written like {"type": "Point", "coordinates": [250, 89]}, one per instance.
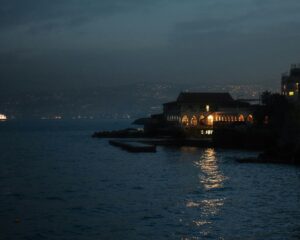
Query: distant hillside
{"type": "Point", "coordinates": [124, 101]}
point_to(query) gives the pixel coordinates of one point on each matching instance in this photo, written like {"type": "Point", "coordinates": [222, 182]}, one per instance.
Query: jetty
{"type": "Point", "coordinates": [133, 146]}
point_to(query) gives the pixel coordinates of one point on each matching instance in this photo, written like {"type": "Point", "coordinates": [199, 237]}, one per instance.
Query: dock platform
{"type": "Point", "coordinates": [133, 146]}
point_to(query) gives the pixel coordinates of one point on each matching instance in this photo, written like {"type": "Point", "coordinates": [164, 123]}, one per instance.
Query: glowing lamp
{"type": "Point", "coordinates": [207, 108]}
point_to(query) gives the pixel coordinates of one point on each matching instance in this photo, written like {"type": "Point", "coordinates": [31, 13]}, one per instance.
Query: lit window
{"type": "Point", "coordinates": [241, 118]}
{"type": "Point", "coordinates": [185, 120]}
{"type": "Point", "coordinates": [210, 120]}
{"type": "Point", "coordinates": [194, 121]}
{"type": "Point", "coordinates": [291, 93]}
{"type": "Point", "coordinates": [250, 119]}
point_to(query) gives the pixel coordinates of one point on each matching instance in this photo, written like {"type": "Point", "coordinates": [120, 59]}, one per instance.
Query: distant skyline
{"type": "Point", "coordinates": [56, 44]}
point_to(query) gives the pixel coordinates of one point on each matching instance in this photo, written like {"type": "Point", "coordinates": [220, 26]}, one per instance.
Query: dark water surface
{"type": "Point", "coordinates": [56, 182]}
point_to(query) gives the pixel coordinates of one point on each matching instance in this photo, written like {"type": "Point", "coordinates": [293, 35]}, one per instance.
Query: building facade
{"type": "Point", "coordinates": [206, 111]}
{"type": "Point", "coordinates": [290, 83]}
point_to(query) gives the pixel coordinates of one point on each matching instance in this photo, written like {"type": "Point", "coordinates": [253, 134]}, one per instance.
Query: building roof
{"type": "Point", "coordinates": [295, 72]}
{"type": "Point", "coordinates": [205, 98]}
{"type": "Point", "coordinates": [174, 103]}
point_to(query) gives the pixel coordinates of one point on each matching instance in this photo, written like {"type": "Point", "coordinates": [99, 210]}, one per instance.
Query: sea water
{"type": "Point", "coordinates": [56, 182]}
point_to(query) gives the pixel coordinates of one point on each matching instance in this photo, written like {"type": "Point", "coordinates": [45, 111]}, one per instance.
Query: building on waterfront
{"type": "Point", "coordinates": [290, 83]}
{"type": "Point", "coordinates": [206, 111]}
{"type": "Point", "coordinates": [200, 113]}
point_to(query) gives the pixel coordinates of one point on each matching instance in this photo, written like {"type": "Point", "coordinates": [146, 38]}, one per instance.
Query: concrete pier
{"type": "Point", "coordinates": [133, 146]}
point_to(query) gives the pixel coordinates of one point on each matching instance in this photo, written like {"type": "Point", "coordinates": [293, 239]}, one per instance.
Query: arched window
{"type": "Point", "coordinates": [194, 121]}
{"type": "Point", "coordinates": [250, 119]}
{"type": "Point", "coordinates": [210, 120]}
{"type": "Point", "coordinates": [201, 119]}
{"type": "Point", "coordinates": [241, 118]}
{"type": "Point", "coordinates": [185, 120]}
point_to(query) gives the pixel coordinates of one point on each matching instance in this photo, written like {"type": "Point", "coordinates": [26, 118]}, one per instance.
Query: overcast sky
{"type": "Point", "coordinates": [63, 43]}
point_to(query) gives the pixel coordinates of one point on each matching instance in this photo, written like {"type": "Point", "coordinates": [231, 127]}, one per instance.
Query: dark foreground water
{"type": "Point", "coordinates": [56, 182]}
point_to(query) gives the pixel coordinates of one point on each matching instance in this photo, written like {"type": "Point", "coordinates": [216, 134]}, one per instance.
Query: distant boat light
{"type": "Point", "coordinates": [3, 117]}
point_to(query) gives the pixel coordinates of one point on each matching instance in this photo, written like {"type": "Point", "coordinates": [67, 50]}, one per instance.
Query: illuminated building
{"type": "Point", "coordinates": [290, 83]}
{"type": "Point", "coordinates": [206, 111]}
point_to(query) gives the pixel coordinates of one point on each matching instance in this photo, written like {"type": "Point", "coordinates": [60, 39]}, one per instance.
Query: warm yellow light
{"type": "Point", "coordinates": [207, 108]}
{"type": "Point", "coordinates": [241, 118]}
{"type": "Point", "coordinates": [185, 120]}
{"type": "Point", "coordinates": [291, 93]}
{"type": "Point", "coordinates": [194, 121]}
{"type": "Point", "coordinates": [210, 120]}
{"type": "Point", "coordinates": [3, 117]}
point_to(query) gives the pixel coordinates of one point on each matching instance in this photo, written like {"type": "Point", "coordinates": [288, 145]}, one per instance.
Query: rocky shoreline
{"type": "Point", "coordinates": [283, 154]}
{"type": "Point", "coordinates": [276, 156]}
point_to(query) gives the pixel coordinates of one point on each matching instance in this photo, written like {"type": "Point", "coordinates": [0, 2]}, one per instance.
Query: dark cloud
{"type": "Point", "coordinates": [70, 12]}
{"type": "Point", "coordinates": [48, 43]}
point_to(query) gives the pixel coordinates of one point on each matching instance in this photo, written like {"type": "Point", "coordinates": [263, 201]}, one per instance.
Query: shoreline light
{"type": "Point", "coordinates": [3, 117]}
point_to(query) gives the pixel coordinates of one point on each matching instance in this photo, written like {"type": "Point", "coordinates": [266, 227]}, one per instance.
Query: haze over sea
{"type": "Point", "coordinates": [56, 182]}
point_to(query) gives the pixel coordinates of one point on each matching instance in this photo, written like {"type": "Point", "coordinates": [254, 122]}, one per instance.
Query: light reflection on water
{"type": "Point", "coordinates": [210, 177]}
{"type": "Point", "coordinates": [210, 180]}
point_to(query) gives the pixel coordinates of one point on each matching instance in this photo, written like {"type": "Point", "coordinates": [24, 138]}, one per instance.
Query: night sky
{"type": "Point", "coordinates": [60, 43]}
